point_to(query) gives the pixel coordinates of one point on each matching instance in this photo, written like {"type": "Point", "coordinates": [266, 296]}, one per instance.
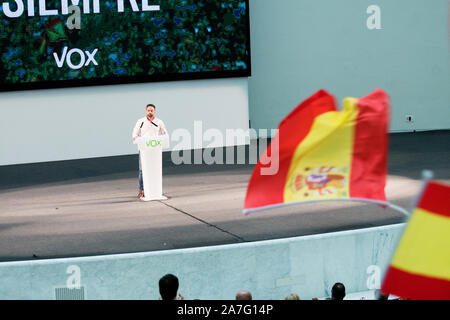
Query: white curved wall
{"type": "Point", "coordinates": [271, 269]}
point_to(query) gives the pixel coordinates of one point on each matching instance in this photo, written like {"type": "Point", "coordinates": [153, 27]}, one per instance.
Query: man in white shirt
{"type": "Point", "coordinates": [148, 126]}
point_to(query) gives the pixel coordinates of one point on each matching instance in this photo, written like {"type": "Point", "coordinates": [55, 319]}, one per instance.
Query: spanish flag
{"type": "Point", "coordinates": [420, 267]}
{"type": "Point", "coordinates": [321, 153]}
{"type": "Point", "coordinates": [54, 33]}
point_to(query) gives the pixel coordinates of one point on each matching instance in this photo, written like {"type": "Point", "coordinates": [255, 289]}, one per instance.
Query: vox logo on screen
{"type": "Point", "coordinates": [75, 58]}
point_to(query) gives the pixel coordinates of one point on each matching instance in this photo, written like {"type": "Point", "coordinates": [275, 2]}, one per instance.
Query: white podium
{"type": "Point", "coordinates": [150, 148]}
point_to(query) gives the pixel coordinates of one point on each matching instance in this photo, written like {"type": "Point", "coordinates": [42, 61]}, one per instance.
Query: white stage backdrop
{"type": "Point", "coordinates": [80, 123]}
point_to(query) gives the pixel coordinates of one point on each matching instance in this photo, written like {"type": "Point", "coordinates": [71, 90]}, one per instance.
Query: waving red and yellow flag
{"type": "Point", "coordinates": [325, 154]}
{"type": "Point", "coordinates": [420, 268]}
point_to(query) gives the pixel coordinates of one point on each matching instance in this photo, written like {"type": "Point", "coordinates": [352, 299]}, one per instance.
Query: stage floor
{"type": "Point", "coordinates": [99, 216]}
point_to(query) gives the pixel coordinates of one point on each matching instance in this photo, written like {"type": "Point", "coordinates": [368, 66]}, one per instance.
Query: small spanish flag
{"type": "Point", "coordinates": [321, 153]}
{"type": "Point", "coordinates": [420, 267]}
{"type": "Point", "coordinates": [55, 30]}
{"type": "Point", "coordinates": [54, 33]}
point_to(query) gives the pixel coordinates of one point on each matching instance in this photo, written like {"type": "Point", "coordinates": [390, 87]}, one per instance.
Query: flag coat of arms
{"type": "Point", "coordinates": [324, 153]}
{"type": "Point", "coordinates": [420, 267]}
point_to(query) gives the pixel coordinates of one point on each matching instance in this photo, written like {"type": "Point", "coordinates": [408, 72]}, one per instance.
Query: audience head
{"type": "Point", "coordinates": [380, 295]}
{"type": "Point", "coordinates": [243, 295]}
{"type": "Point", "coordinates": [338, 291]}
{"type": "Point", "coordinates": [168, 287]}
{"type": "Point", "coordinates": [292, 296]}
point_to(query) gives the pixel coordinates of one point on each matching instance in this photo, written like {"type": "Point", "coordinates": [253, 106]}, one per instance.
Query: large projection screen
{"type": "Point", "coordinates": [70, 43]}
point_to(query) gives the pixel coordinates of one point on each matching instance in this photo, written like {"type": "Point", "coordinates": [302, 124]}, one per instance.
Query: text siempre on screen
{"type": "Point", "coordinates": [15, 9]}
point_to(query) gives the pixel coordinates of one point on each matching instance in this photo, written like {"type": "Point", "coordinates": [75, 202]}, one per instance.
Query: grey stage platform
{"type": "Point", "coordinates": [101, 215]}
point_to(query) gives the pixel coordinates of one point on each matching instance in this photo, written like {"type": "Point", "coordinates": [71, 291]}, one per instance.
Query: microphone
{"type": "Point", "coordinates": [140, 129]}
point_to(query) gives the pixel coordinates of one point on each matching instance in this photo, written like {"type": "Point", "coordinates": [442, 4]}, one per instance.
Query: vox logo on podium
{"type": "Point", "coordinates": [85, 58]}
{"type": "Point", "coordinates": [153, 143]}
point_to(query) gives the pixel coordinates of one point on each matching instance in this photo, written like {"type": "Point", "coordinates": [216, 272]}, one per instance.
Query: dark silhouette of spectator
{"type": "Point", "coordinates": [380, 295]}
{"type": "Point", "coordinates": [338, 291]}
{"type": "Point", "coordinates": [292, 296]}
{"type": "Point", "coordinates": [168, 287]}
{"type": "Point", "coordinates": [243, 295]}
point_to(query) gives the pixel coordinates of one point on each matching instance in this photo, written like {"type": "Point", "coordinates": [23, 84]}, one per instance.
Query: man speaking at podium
{"type": "Point", "coordinates": [148, 126]}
